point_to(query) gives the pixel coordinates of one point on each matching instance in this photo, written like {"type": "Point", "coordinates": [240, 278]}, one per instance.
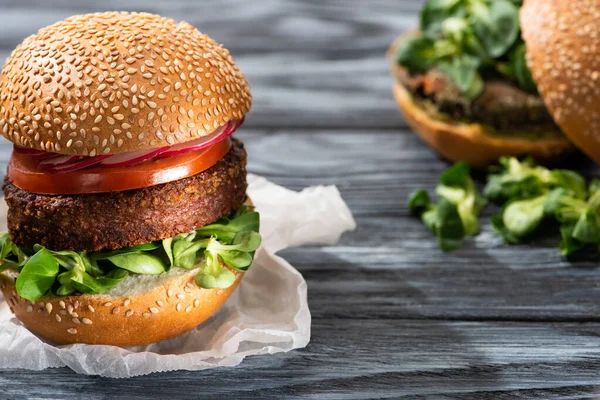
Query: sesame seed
{"type": "Point", "coordinates": [188, 309]}
{"type": "Point", "coordinates": [181, 296]}
{"type": "Point", "coordinates": [92, 309]}
{"type": "Point", "coordinates": [76, 321]}
{"type": "Point", "coordinates": [86, 321]}
{"type": "Point", "coordinates": [115, 310]}
{"type": "Point", "coordinates": [108, 304]}
{"type": "Point", "coordinates": [153, 310]}
{"type": "Point", "coordinates": [170, 293]}
{"type": "Point", "coordinates": [72, 331]}
{"type": "Point", "coordinates": [178, 307]}
{"type": "Point", "coordinates": [62, 304]}
{"type": "Point", "coordinates": [29, 308]}
{"type": "Point", "coordinates": [58, 318]}
{"type": "Point", "coordinates": [49, 308]}
{"type": "Point", "coordinates": [120, 62]}
{"type": "Point", "coordinates": [147, 315]}
{"type": "Point", "coordinates": [196, 303]}
{"type": "Point", "coordinates": [127, 302]}
{"type": "Point", "coordinates": [159, 303]}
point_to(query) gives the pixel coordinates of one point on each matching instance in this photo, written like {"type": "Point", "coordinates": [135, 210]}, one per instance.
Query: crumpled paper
{"type": "Point", "coordinates": [268, 313]}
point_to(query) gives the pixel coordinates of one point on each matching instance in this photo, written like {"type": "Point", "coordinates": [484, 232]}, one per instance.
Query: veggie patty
{"type": "Point", "coordinates": [109, 221]}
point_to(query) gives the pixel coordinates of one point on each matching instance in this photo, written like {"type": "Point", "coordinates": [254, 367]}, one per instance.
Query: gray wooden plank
{"type": "Point", "coordinates": [392, 314]}
{"type": "Point", "coordinates": [372, 359]}
{"type": "Point", "coordinates": [384, 299]}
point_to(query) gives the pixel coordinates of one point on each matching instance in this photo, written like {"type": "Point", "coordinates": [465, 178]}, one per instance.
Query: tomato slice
{"type": "Point", "coordinates": [23, 173]}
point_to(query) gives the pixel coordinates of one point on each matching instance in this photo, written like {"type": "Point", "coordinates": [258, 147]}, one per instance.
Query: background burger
{"type": "Point", "coordinates": [128, 219]}
{"type": "Point", "coordinates": [463, 84]}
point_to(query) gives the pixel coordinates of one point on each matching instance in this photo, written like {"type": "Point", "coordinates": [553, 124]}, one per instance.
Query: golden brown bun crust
{"type": "Point", "coordinates": [113, 82]}
{"type": "Point", "coordinates": [468, 141]}
{"type": "Point", "coordinates": [562, 53]}
{"type": "Point", "coordinates": [162, 313]}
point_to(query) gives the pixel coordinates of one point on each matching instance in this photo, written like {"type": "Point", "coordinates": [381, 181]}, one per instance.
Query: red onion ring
{"type": "Point", "coordinates": [55, 162]}
{"type": "Point", "coordinates": [200, 143]}
{"type": "Point", "coordinates": [58, 161]}
{"type": "Point", "coordinates": [131, 157]}
{"type": "Point", "coordinates": [80, 164]}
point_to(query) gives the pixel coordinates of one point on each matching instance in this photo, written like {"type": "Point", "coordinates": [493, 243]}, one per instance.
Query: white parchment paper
{"type": "Point", "coordinates": [268, 313]}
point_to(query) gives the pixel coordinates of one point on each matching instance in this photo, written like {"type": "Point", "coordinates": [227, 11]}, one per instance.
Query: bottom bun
{"type": "Point", "coordinates": [140, 310]}
{"type": "Point", "coordinates": [472, 142]}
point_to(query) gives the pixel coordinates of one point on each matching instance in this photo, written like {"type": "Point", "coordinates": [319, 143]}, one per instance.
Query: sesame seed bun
{"type": "Point", "coordinates": [109, 83]}
{"type": "Point", "coordinates": [562, 53]}
{"type": "Point", "coordinates": [140, 310]}
{"type": "Point", "coordinates": [470, 142]}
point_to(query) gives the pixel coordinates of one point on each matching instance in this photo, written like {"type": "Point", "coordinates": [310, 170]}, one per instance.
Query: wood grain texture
{"type": "Point", "coordinates": [392, 315]}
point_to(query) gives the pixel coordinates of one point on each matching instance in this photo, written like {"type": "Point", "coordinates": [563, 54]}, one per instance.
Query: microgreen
{"type": "Point", "coordinates": [465, 38]}
{"type": "Point", "coordinates": [229, 242]}
{"type": "Point", "coordinates": [533, 194]}
{"type": "Point", "coordinates": [455, 214]}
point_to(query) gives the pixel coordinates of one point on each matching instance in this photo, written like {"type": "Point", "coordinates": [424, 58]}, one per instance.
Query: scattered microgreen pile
{"type": "Point", "coordinates": [231, 241]}
{"type": "Point", "coordinates": [455, 214]}
{"type": "Point", "coordinates": [534, 200]}
{"type": "Point", "coordinates": [468, 39]}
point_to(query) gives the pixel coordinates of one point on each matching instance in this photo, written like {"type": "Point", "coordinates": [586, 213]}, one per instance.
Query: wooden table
{"type": "Point", "coordinates": [392, 315]}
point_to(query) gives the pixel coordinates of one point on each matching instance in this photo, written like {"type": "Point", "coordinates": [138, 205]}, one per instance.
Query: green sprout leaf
{"type": "Point", "coordinates": [168, 247]}
{"type": "Point", "coordinates": [213, 275]}
{"type": "Point", "coordinates": [519, 70]}
{"type": "Point", "coordinates": [450, 230]}
{"type": "Point", "coordinates": [569, 246]}
{"type": "Point", "coordinates": [561, 205]}
{"type": "Point", "coordinates": [462, 70]}
{"type": "Point", "coordinates": [456, 175]}
{"type": "Point", "coordinates": [417, 54]}
{"type": "Point", "coordinates": [521, 217]}
{"type": "Point", "coordinates": [227, 229]}
{"type": "Point", "coordinates": [587, 228]}
{"type": "Point", "coordinates": [7, 253]}
{"type": "Point", "coordinates": [456, 213]}
{"type": "Point", "coordinates": [435, 12]}
{"type": "Point", "coordinates": [457, 186]}
{"type": "Point", "coordinates": [419, 201]}
{"type": "Point", "coordinates": [37, 276]}
{"type": "Point", "coordinates": [515, 179]}
{"type": "Point", "coordinates": [570, 181]}
{"type": "Point", "coordinates": [185, 252]}
{"type": "Point", "coordinates": [496, 24]}
{"type": "Point", "coordinates": [139, 263]}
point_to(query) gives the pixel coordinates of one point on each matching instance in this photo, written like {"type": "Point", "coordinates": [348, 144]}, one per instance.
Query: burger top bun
{"type": "Point", "coordinates": [113, 82]}
{"type": "Point", "coordinates": [563, 53]}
